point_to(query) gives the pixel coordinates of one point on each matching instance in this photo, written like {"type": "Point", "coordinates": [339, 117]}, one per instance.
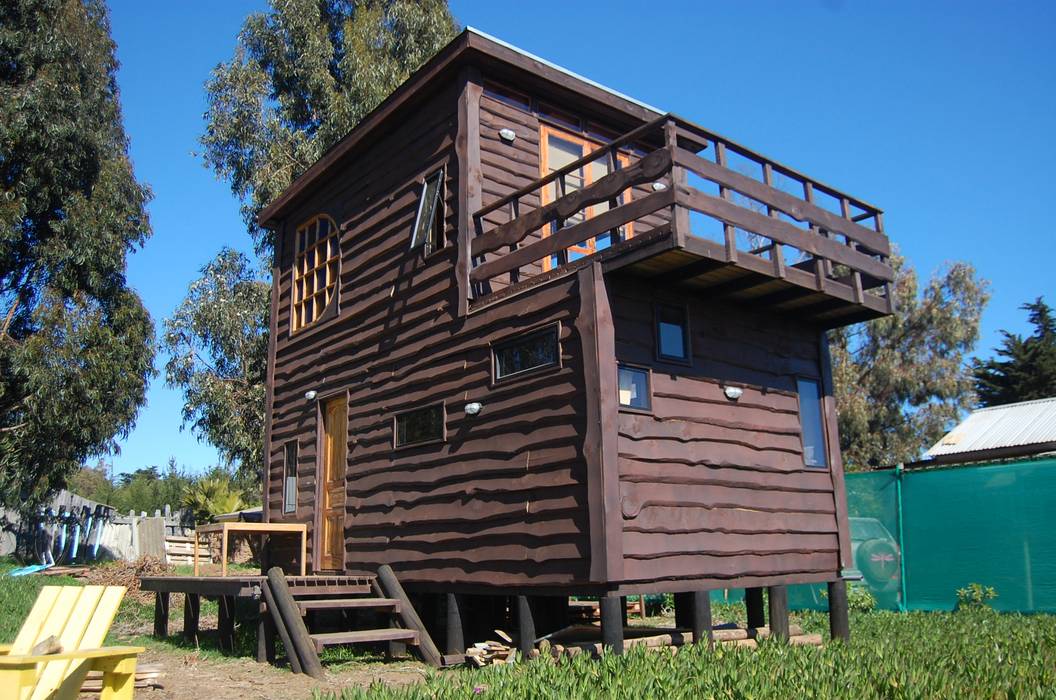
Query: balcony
{"type": "Point", "coordinates": [683, 206]}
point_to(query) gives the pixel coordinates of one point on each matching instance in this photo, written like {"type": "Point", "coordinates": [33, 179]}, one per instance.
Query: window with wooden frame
{"type": "Point", "coordinates": [812, 423]}
{"type": "Point", "coordinates": [633, 390]}
{"type": "Point", "coordinates": [289, 477]}
{"type": "Point", "coordinates": [429, 223]}
{"type": "Point", "coordinates": [315, 270]}
{"type": "Point", "coordinates": [530, 352]}
{"type": "Point", "coordinates": [557, 149]}
{"type": "Point", "coordinates": [419, 426]}
{"type": "Point", "coordinates": [672, 333]}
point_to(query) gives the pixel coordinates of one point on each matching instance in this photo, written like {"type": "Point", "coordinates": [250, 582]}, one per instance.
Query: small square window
{"type": "Point", "coordinates": [429, 224]}
{"type": "Point", "coordinates": [289, 480]}
{"type": "Point", "coordinates": [672, 338]}
{"type": "Point", "coordinates": [812, 424]}
{"type": "Point", "coordinates": [633, 387]}
{"type": "Point", "coordinates": [534, 351]}
{"type": "Point", "coordinates": [420, 425]}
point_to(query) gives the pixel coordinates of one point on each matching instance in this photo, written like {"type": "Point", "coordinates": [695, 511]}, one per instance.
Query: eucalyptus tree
{"type": "Point", "coordinates": [302, 75]}
{"type": "Point", "coordinates": [76, 344]}
{"type": "Point", "coordinates": [902, 380]}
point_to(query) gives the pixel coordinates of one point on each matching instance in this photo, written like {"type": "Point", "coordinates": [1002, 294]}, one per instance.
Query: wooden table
{"type": "Point", "coordinates": [257, 528]}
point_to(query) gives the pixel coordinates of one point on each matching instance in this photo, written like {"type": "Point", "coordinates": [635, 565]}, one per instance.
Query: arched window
{"type": "Point", "coordinates": [315, 270]}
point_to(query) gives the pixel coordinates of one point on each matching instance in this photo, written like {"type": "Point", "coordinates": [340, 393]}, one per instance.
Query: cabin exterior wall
{"type": "Point", "coordinates": [502, 500]}
{"type": "Point", "coordinates": [712, 489]}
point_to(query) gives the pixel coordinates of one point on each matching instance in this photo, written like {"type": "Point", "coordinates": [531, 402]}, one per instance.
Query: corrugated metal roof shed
{"type": "Point", "coordinates": [1014, 425]}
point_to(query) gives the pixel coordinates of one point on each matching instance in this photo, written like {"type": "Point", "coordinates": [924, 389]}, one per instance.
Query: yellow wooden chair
{"type": "Point", "coordinates": [78, 617]}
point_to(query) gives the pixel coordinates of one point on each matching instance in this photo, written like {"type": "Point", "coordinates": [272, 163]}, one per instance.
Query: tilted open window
{"type": "Point", "coordinates": [289, 477]}
{"type": "Point", "coordinates": [812, 423]}
{"type": "Point", "coordinates": [315, 270]}
{"type": "Point", "coordinates": [419, 426]}
{"type": "Point", "coordinates": [429, 224]}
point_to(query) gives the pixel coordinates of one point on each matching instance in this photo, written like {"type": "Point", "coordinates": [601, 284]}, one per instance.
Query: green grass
{"type": "Point", "coordinates": [978, 654]}
{"type": "Point", "coordinates": [17, 594]}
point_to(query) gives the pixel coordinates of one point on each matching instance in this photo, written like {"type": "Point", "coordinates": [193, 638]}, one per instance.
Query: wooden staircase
{"type": "Point", "coordinates": [293, 602]}
{"type": "Point", "coordinates": [337, 596]}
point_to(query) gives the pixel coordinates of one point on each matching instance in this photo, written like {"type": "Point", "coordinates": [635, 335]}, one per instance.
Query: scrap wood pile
{"type": "Point", "coordinates": [492, 653]}
{"type": "Point", "coordinates": [127, 574]}
{"type": "Point", "coordinates": [147, 676]}
{"type": "Point", "coordinates": [585, 639]}
{"type": "Point", "coordinates": [71, 571]}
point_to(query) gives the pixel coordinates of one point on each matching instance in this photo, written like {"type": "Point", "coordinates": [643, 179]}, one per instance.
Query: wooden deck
{"type": "Point", "coordinates": [736, 225]}
{"type": "Point", "coordinates": [249, 586]}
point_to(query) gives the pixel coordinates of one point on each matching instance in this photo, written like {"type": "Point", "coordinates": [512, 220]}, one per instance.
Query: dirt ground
{"type": "Point", "coordinates": [187, 675]}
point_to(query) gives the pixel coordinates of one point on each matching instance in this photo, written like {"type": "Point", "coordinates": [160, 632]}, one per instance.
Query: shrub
{"type": "Point", "coordinates": [859, 598]}
{"type": "Point", "coordinates": [211, 497]}
{"type": "Point", "coordinates": [975, 596]}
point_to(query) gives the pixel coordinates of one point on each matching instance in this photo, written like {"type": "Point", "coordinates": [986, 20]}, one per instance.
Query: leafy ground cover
{"type": "Point", "coordinates": [972, 653]}
{"type": "Point", "coordinates": [968, 654]}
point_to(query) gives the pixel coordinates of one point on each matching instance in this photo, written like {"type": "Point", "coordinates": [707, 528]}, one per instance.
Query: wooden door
{"type": "Point", "coordinates": [332, 497]}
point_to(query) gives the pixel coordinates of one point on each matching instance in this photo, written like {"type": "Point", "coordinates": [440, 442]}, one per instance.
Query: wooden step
{"type": "Point", "coordinates": [330, 590]}
{"type": "Point", "coordinates": [387, 604]}
{"type": "Point", "coordinates": [391, 634]}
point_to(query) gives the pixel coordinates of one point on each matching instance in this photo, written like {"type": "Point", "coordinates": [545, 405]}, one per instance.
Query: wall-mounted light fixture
{"type": "Point", "coordinates": [473, 408]}
{"type": "Point", "coordinates": [310, 395]}
{"type": "Point", "coordinates": [733, 392]}
{"type": "Point", "coordinates": [507, 135]}
{"type": "Point", "coordinates": [659, 186]}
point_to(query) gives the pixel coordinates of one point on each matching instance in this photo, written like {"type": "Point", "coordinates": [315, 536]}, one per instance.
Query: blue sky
{"type": "Point", "coordinates": [941, 113]}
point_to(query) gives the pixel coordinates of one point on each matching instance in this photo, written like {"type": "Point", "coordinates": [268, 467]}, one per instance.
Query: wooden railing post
{"type": "Point", "coordinates": [679, 180]}
{"type": "Point", "coordinates": [729, 232]}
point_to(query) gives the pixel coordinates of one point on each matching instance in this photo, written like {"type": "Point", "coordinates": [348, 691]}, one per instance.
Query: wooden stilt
{"type": "Point", "coordinates": [161, 614]}
{"type": "Point", "coordinates": [526, 627]}
{"type": "Point", "coordinates": [683, 610]}
{"type": "Point", "coordinates": [456, 641]}
{"type": "Point", "coordinates": [839, 624]}
{"type": "Point", "coordinates": [265, 635]}
{"type": "Point", "coordinates": [701, 617]}
{"type": "Point", "coordinates": [778, 612]}
{"type": "Point", "coordinates": [612, 623]}
{"type": "Point", "coordinates": [192, 604]}
{"type": "Point", "coordinates": [753, 600]}
{"type": "Point", "coordinates": [226, 622]}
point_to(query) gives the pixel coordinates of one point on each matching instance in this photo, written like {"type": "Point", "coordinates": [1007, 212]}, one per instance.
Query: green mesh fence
{"type": "Point", "coordinates": [993, 524]}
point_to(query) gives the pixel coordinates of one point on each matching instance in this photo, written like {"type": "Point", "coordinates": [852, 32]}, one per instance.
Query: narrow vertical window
{"type": "Point", "coordinates": [672, 333]}
{"type": "Point", "coordinates": [429, 224]}
{"type": "Point", "coordinates": [633, 389]}
{"type": "Point", "coordinates": [289, 478]}
{"type": "Point", "coordinates": [812, 423]}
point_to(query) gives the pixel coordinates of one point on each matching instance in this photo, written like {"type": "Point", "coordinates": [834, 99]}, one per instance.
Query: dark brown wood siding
{"type": "Point", "coordinates": [502, 500]}
{"type": "Point", "coordinates": [508, 166]}
{"type": "Point", "coordinates": [712, 488]}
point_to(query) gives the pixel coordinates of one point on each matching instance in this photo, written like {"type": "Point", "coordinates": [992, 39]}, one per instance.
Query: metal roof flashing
{"type": "Point", "coordinates": [569, 73]}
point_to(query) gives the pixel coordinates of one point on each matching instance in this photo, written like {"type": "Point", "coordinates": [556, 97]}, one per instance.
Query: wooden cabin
{"type": "Point", "coordinates": [531, 337]}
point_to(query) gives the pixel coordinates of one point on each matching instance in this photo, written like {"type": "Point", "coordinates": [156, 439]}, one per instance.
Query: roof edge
{"type": "Point", "coordinates": [469, 39]}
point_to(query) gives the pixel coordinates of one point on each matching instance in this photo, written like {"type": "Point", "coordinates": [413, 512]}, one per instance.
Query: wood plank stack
{"type": "Point", "coordinates": [147, 676]}
{"type": "Point", "coordinates": [180, 550]}
{"type": "Point", "coordinates": [492, 653]}
{"type": "Point", "coordinates": [72, 571]}
{"type": "Point", "coordinates": [580, 639]}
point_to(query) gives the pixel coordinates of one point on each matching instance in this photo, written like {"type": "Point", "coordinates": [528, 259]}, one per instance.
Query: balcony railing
{"type": "Point", "coordinates": [741, 224]}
